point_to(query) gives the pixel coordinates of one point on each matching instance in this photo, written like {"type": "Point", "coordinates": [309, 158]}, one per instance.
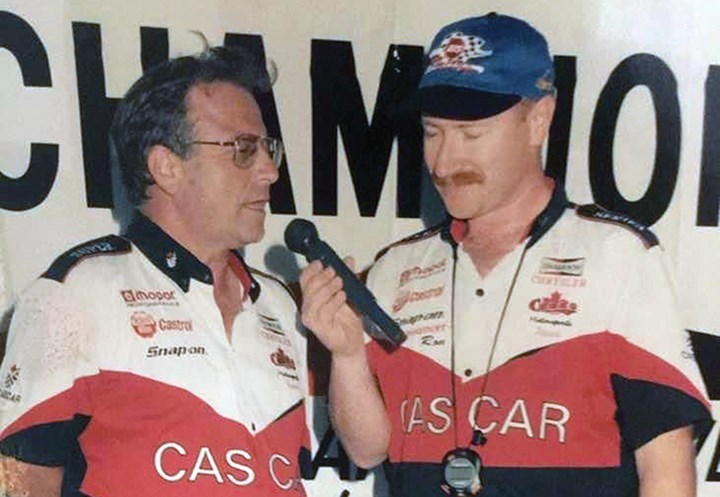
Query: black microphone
{"type": "Point", "coordinates": [302, 237]}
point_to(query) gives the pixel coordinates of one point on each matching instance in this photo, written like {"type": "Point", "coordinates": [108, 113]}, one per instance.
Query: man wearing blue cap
{"type": "Point", "coordinates": [545, 355]}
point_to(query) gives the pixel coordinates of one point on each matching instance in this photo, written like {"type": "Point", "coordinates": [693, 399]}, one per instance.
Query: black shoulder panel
{"type": "Point", "coordinates": [647, 409]}
{"type": "Point", "coordinates": [597, 213]}
{"type": "Point", "coordinates": [421, 235]}
{"type": "Point", "coordinates": [110, 244]}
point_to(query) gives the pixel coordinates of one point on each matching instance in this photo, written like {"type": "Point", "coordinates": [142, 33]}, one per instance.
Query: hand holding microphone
{"type": "Point", "coordinates": [301, 237]}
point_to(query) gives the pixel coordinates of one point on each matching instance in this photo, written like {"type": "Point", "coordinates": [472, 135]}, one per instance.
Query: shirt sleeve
{"type": "Point", "coordinates": [44, 403]}
{"type": "Point", "coordinates": [653, 373]}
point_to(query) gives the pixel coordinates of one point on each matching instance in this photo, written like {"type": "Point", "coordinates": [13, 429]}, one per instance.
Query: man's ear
{"type": "Point", "coordinates": [541, 117]}
{"type": "Point", "coordinates": [165, 167]}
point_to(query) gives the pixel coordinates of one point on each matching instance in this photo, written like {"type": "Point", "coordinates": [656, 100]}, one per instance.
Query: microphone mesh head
{"type": "Point", "coordinates": [300, 235]}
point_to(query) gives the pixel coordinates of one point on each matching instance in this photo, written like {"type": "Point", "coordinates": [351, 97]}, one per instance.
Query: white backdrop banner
{"type": "Point", "coordinates": [637, 130]}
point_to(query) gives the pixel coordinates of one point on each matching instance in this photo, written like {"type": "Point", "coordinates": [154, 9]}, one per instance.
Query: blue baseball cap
{"type": "Point", "coordinates": [481, 66]}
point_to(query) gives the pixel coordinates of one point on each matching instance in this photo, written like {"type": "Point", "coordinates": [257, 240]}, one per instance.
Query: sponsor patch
{"type": "Point", "coordinates": [143, 324]}
{"type": "Point", "coordinates": [563, 281]}
{"type": "Point", "coordinates": [427, 330]}
{"type": "Point", "coordinates": [554, 304]}
{"type": "Point", "coordinates": [551, 322]}
{"type": "Point", "coordinates": [178, 351]}
{"type": "Point", "coordinates": [175, 325]}
{"type": "Point", "coordinates": [12, 377]}
{"type": "Point", "coordinates": [271, 324]}
{"type": "Point", "coordinates": [281, 359]}
{"type": "Point", "coordinates": [146, 326]}
{"type": "Point", "coordinates": [111, 244]}
{"type": "Point", "coordinates": [417, 318]}
{"type": "Point", "coordinates": [97, 247]}
{"type": "Point", "coordinates": [562, 267]}
{"type": "Point", "coordinates": [148, 298]}
{"type": "Point", "coordinates": [419, 272]}
{"type": "Point", "coordinates": [405, 297]}
{"type": "Point", "coordinates": [599, 214]}
{"type": "Point", "coordinates": [8, 392]}
{"type": "Point", "coordinates": [273, 337]}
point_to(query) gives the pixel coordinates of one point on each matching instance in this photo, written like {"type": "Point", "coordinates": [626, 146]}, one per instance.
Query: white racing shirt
{"type": "Point", "coordinates": [590, 360]}
{"type": "Point", "coordinates": [118, 368]}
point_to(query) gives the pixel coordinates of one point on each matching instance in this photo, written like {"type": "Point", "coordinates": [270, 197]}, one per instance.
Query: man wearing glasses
{"type": "Point", "coordinates": [157, 362]}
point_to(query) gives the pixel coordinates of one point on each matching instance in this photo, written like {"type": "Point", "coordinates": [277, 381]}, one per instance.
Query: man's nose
{"type": "Point", "coordinates": [266, 168]}
{"type": "Point", "coordinates": [443, 159]}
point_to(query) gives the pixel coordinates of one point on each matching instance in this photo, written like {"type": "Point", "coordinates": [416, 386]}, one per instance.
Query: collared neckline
{"type": "Point", "coordinates": [457, 229]}
{"type": "Point", "coordinates": [178, 263]}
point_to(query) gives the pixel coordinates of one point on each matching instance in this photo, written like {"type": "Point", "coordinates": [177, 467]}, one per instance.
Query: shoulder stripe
{"type": "Point", "coordinates": [596, 213]}
{"type": "Point", "coordinates": [106, 245]}
{"type": "Point", "coordinates": [415, 237]}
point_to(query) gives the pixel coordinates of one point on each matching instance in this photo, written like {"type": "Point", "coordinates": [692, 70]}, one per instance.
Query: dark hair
{"type": "Point", "coordinates": [153, 110]}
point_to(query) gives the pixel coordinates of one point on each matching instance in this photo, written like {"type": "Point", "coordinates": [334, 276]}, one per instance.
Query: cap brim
{"type": "Point", "coordinates": [464, 104]}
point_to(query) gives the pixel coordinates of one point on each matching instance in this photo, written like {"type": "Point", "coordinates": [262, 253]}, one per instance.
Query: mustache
{"type": "Point", "coordinates": [463, 178]}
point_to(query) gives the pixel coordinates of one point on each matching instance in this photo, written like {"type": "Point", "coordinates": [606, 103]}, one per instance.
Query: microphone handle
{"type": "Point", "coordinates": [379, 324]}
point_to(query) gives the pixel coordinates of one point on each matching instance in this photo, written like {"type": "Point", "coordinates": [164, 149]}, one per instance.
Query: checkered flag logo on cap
{"type": "Point", "coordinates": [456, 50]}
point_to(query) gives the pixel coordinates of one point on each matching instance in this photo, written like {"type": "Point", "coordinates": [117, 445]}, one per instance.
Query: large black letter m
{"type": "Point", "coordinates": [337, 103]}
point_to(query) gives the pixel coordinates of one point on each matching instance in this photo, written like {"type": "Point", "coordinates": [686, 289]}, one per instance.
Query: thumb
{"type": "Point", "coordinates": [350, 262]}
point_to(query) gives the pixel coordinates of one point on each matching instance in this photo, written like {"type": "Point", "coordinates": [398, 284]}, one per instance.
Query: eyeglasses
{"type": "Point", "coordinates": [246, 147]}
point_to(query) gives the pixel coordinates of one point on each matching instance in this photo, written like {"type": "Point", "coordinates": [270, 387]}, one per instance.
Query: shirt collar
{"type": "Point", "coordinates": [178, 263]}
{"type": "Point", "coordinates": [457, 229]}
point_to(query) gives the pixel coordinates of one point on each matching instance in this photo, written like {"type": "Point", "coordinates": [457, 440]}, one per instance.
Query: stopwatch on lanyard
{"type": "Point", "coordinates": [462, 466]}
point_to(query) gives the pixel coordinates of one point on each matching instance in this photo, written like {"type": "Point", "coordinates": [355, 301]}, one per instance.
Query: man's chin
{"type": "Point", "coordinates": [250, 237]}
{"type": "Point", "coordinates": [461, 212]}
{"type": "Point", "coordinates": [463, 203]}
